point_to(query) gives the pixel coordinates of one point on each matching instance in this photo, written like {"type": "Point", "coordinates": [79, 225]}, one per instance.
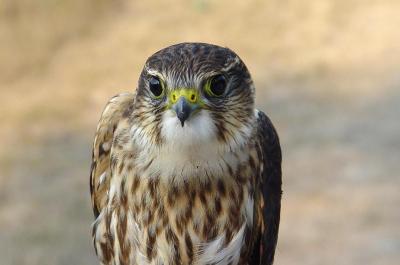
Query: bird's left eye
{"type": "Point", "coordinates": [216, 86]}
{"type": "Point", "coordinates": [156, 87]}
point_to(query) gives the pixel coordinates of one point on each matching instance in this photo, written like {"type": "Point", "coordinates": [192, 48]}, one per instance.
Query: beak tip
{"type": "Point", "coordinates": [183, 110]}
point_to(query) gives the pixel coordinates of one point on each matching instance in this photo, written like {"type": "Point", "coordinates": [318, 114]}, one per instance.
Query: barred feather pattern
{"type": "Point", "coordinates": [156, 221]}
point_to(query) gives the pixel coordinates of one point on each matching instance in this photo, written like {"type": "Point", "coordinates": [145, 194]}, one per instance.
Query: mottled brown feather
{"type": "Point", "coordinates": [147, 213]}
{"type": "Point", "coordinates": [110, 117]}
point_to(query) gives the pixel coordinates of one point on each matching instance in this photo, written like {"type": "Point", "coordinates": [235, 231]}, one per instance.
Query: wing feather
{"type": "Point", "coordinates": [268, 195]}
{"type": "Point", "coordinates": [100, 173]}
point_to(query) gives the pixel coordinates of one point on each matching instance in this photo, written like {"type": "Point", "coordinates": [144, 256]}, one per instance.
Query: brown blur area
{"type": "Point", "coordinates": [326, 73]}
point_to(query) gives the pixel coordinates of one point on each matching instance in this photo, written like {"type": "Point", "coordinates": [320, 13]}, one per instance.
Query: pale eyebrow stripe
{"type": "Point", "coordinates": [153, 72]}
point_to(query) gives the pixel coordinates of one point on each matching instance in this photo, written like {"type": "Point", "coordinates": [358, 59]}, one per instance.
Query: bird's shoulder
{"type": "Point", "coordinates": [115, 110]}
{"type": "Point", "coordinates": [267, 137]}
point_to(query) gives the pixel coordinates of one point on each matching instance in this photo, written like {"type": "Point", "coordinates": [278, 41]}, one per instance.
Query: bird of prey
{"type": "Point", "coordinates": [186, 170]}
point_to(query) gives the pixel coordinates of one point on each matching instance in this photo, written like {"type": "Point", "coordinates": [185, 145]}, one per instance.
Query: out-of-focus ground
{"type": "Point", "coordinates": [326, 72]}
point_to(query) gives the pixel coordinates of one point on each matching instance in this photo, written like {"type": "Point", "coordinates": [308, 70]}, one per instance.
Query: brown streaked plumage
{"type": "Point", "coordinates": [186, 171]}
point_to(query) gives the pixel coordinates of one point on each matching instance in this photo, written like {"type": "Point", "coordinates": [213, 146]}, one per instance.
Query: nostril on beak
{"type": "Point", "coordinates": [192, 98]}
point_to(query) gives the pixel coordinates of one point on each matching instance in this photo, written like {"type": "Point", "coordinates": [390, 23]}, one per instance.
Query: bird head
{"type": "Point", "coordinates": [192, 94]}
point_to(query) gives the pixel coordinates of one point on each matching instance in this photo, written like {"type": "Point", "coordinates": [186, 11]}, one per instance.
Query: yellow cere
{"type": "Point", "coordinates": [191, 95]}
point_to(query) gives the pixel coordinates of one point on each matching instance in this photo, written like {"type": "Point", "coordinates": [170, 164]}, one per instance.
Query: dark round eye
{"type": "Point", "coordinates": [217, 85]}
{"type": "Point", "coordinates": [155, 86]}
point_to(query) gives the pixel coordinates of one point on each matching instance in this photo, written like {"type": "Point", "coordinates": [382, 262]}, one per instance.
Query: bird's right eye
{"type": "Point", "coordinates": [156, 86]}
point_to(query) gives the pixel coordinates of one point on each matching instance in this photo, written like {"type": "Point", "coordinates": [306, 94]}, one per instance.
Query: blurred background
{"type": "Point", "coordinates": [326, 72]}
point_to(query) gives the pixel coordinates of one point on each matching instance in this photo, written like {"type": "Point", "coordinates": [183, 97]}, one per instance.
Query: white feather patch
{"type": "Point", "coordinates": [191, 150]}
{"type": "Point", "coordinates": [249, 208]}
{"type": "Point", "coordinates": [102, 179]}
{"type": "Point", "coordinates": [214, 252]}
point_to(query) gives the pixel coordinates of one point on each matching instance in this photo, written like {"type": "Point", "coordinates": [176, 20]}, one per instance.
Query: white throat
{"type": "Point", "coordinates": [189, 151]}
{"type": "Point", "coordinates": [197, 131]}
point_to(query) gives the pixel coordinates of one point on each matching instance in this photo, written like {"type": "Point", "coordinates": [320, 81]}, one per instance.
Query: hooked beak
{"type": "Point", "coordinates": [183, 109]}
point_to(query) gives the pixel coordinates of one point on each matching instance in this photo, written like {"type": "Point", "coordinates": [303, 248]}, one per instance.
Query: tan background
{"type": "Point", "coordinates": [326, 72]}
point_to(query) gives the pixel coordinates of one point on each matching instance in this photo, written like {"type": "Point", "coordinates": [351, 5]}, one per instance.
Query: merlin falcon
{"type": "Point", "coordinates": [186, 170]}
